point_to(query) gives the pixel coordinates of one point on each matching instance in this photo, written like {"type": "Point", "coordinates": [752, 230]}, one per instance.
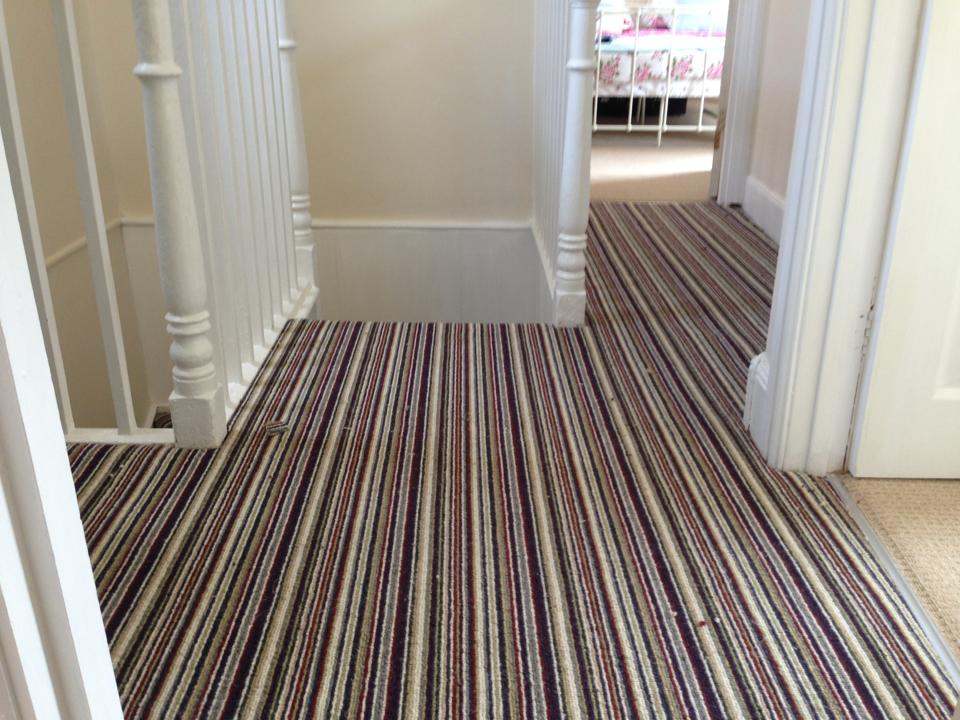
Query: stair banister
{"type": "Point", "coordinates": [297, 148]}
{"type": "Point", "coordinates": [197, 403]}
{"type": "Point", "coordinates": [95, 226]}
{"type": "Point", "coordinates": [570, 294]}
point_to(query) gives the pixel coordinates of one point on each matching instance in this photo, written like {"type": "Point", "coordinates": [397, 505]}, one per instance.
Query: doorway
{"type": "Point", "coordinates": [657, 98]}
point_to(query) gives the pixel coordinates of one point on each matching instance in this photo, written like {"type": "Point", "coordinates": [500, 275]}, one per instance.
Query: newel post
{"type": "Point", "coordinates": [297, 150]}
{"type": "Point", "coordinates": [570, 299]}
{"type": "Point", "coordinates": [197, 402]}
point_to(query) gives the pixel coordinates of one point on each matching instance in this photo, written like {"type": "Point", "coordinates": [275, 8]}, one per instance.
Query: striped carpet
{"type": "Point", "coordinates": [162, 419]}
{"type": "Point", "coordinates": [507, 521]}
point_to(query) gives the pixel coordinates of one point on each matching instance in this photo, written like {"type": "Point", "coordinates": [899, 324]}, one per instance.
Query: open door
{"type": "Point", "coordinates": [908, 417]}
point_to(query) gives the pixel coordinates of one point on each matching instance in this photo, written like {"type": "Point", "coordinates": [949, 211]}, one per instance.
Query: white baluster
{"type": "Point", "coordinates": [258, 171]}
{"type": "Point", "coordinates": [237, 128]}
{"type": "Point", "coordinates": [297, 148]}
{"type": "Point", "coordinates": [570, 299]}
{"type": "Point", "coordinates": [277, 145]}
{"type": "Point", "coordinates": [268, 146]}
{"type": "Point", "coordinates": [220, 186]}
{"type": "Point", "coordinates": [197, 402]}
{"type": "Point", "coordinates": [186, 18]}
{"type": "Point", "coordinates": [88, 184]}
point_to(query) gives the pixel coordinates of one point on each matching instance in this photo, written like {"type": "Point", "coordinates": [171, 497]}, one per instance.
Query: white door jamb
{"type": "Point", "coordinates": [741, 78]}
{"type": "Point", "coordinates": [856, 86]}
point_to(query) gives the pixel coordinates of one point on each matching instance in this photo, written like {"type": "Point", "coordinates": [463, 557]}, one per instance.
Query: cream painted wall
{"type": "Point", "coordinates": [37, 71]}
{"type": "Point", "coordinates": [413, 111]}
{"type": "Point", "coordinates": [71, 285]}
{"type": "Point", "coordinates": [110, 56]}
{"type": "Point", "coordinates": [40, 94]}
{"type": "Point", "coordinates": [418, 110]}
{"type": "Point", "coordinates": [780, 75]}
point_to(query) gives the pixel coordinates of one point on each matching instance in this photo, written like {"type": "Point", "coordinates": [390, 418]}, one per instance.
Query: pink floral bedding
{"type": "Point", "coordinates": [696, 64]}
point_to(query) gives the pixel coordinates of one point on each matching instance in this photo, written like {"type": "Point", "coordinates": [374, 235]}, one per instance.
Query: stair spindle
{"type": "Point", "coordinates": [197, 402]}
{"type": "Point", "coordinates": [570, 298]}
{"type": "Point", "coordinates": [297, 148]}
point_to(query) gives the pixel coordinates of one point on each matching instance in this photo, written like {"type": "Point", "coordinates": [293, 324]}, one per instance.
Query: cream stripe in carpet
{"type": "Point", "coordinates": [507, 521]}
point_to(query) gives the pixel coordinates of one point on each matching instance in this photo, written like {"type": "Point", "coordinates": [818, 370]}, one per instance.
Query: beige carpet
{"type": "Point", "coordinates": [919, 521]}
{"type": "Point", "coordinates": [633, 168]}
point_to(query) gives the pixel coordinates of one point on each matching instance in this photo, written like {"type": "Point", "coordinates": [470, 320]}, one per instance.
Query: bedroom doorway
{"type": "Point", "coordinates": [657, 96]}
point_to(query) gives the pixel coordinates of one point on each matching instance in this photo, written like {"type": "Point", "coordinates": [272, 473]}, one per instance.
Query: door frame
{"type": "Point", "coordinates": [866, 457]}
{"type": "Point", "coordinates": [802, 390]}
{"type": "Point", "coordinates": [739, 91]}
{"type": "Point", "coordinates": [52, 639]}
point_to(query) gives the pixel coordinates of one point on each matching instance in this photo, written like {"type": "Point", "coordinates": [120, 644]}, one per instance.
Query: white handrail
{"type": "Point", "coordinates": [191, 58]}
{"type": "Point", "coordinates": [231, 199]}
{"type": "Point", "coordinates": [237, 172]}
{"type": "Point", "coordinates": [550, 48]}
{"type": "Point", "coordinates": [273, 202]}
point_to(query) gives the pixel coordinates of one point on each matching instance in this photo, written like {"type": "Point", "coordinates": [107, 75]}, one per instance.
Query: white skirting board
{"type": "Point", "coordinates": [436, 273]}
{"type": "Point", "coordinates": [368, 271]}
{"type": "Point", "coordinates": [764, 207]}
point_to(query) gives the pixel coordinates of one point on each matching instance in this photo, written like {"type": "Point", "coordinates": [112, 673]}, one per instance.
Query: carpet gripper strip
{"type": "Point", "coordinates": [507, 521]}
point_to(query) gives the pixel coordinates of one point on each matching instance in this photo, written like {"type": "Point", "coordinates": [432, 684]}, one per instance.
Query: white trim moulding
{"type": "Point", "coordinates": [78, 245]}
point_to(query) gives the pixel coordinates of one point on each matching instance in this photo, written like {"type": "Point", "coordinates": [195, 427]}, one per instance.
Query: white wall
{"type": "Point", "coordinates": [416, 113]}
{"type": "Point", "coordinates": [460, 274]}
{"type": "Point", "coordinates": [71, 286]}
{"type": "Point", "coordinates": [439, 273]}
{"type": "Point", "coordinates": [413, 111]}
{"type": "Point", "coordinates": [418, 110]}
{"type": "Point", "coordinates": [781, 65]}
{"type": "Point", "coordinates": [37, 73]}
{"type": "Point", "coordinates": [784, 43]}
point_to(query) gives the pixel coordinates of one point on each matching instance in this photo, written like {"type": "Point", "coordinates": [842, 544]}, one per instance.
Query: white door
{"type": "Point", "coordinates": [908, 418]}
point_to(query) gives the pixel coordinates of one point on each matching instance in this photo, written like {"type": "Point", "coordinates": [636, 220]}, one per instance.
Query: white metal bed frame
{"type": "Point", "coordinates": [637, 10]}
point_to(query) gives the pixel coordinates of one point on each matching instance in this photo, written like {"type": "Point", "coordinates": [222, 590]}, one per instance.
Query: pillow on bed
{"type": "Point", "coordinates": [647, 22]}
{"type": "Point", "coordinates": [654, 22]}
{"type": "Point", "coordinates": [615, 24]}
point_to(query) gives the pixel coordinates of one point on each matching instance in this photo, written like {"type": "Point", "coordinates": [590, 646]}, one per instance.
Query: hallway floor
{"type": "Point", "coordinates": [918, 521]}
{"type": "Point", "coordinates": [632, 168]}
{"type": "Point", "coordinates": [507, 521]}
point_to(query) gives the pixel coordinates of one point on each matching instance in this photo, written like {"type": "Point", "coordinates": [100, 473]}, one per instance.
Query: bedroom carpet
{"type": "Point", "coordinates": [919, 523]}
{"type": "Point", "coordinates": [632, 168]}
{"type": "Point", "coordinates": [507, 521]}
